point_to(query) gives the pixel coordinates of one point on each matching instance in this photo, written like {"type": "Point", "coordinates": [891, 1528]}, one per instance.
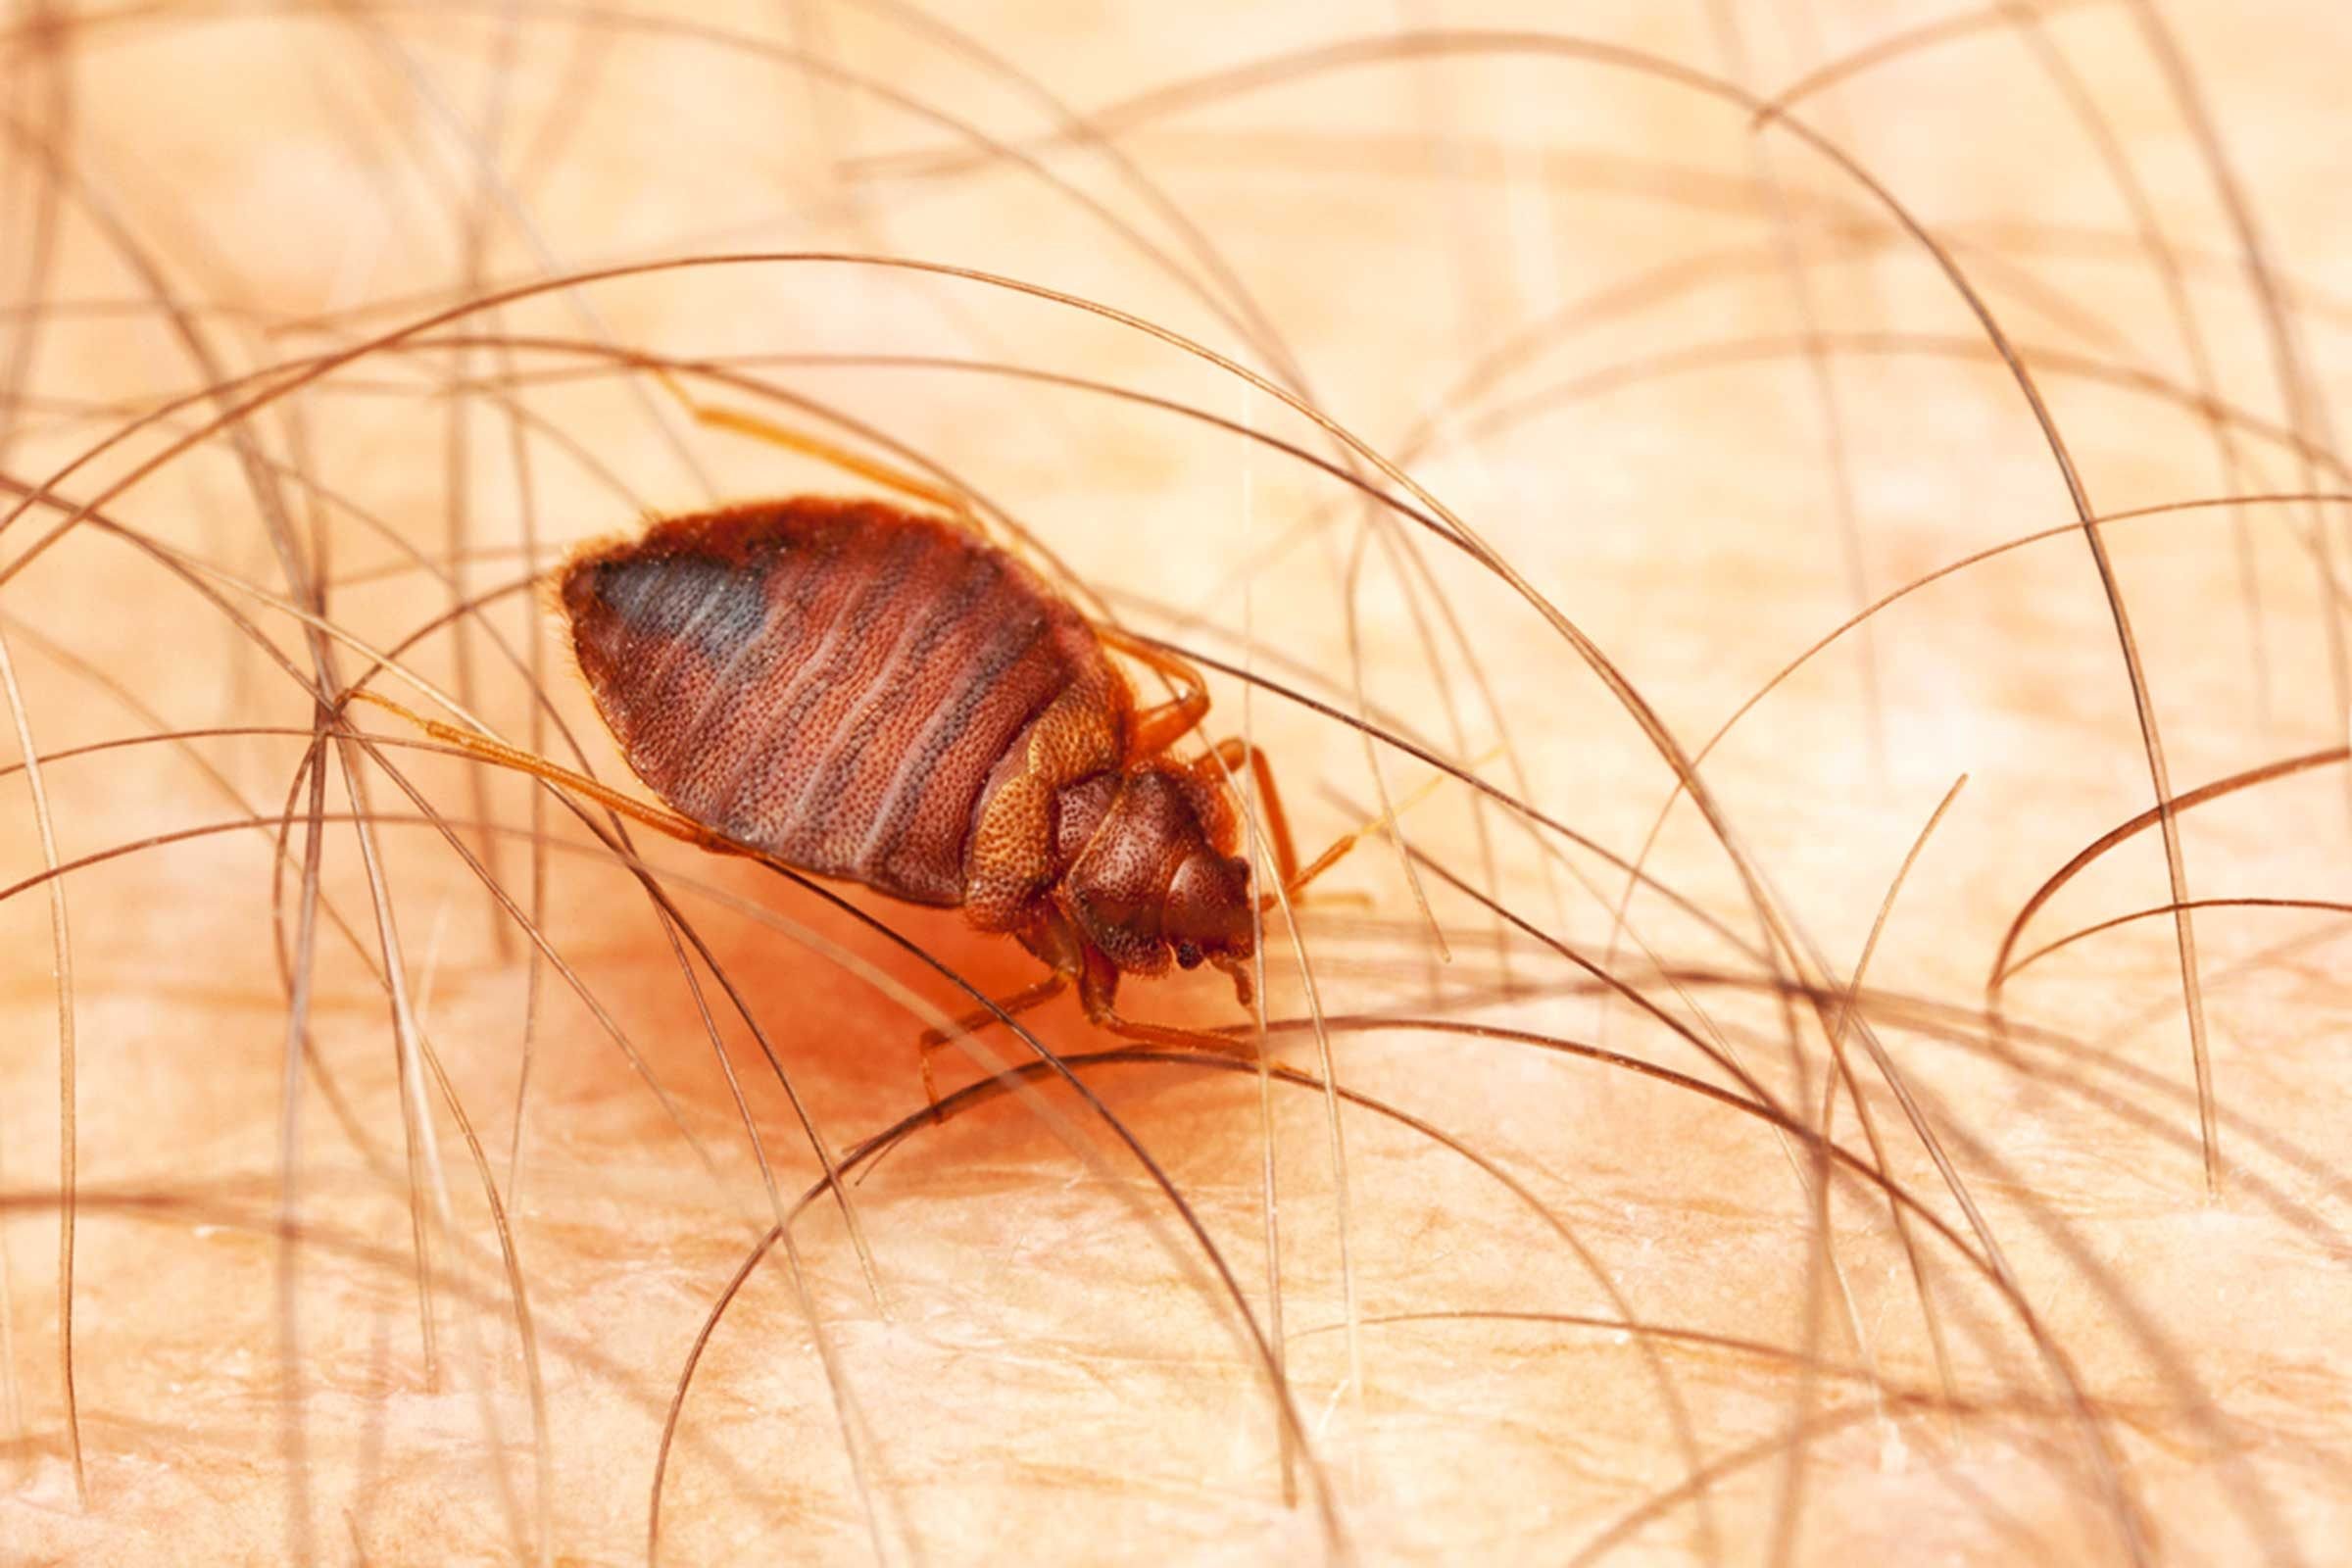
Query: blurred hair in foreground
{"type": "Point", "coordinates": [1842, 1063]}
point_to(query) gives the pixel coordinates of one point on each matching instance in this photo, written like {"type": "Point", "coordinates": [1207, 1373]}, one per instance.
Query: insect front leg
{"type": "Point", "coordinates": [1295, 880]}
{"type": "Point", "coordinates": [979, 1018]}
{"type": "Point", "coordinates": [1099, 985]}
{"type": "Point", "coordinates": [1227, 758]}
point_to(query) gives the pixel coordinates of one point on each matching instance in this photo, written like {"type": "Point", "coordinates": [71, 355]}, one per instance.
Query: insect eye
{"type": "Point", "coordinates": [1188, 956]}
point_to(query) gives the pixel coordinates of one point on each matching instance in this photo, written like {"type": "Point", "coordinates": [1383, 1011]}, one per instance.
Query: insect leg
{"type": "Point", "coordinates": [979, 1018]}
{"type": "Point", "coordinates": [1229, 755]}
{"type": "Point", "coordinates": [1158, 728]}
{"type": "Point", "coordinates": [522, 761]}
{"type": "Point", "coordinates": [1291, 886]}
{"type": "Point", "coordinates": [778, 434]}
{"type": "Point", "coordinates": [1099, 985]}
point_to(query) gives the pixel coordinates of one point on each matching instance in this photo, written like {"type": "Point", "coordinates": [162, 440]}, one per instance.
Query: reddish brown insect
{"type": "Point", "coordinates": [861, 692]}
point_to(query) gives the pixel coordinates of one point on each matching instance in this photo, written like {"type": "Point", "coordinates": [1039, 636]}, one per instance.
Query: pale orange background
{"type": "Point", "coordinates": [1567, 1312]}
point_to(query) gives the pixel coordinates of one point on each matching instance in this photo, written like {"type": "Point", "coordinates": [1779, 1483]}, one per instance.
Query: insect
{"type": "Point", "coordinates": [863, 692]}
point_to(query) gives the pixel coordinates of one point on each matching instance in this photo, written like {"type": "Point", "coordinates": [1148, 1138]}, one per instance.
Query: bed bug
{"type": "Point", "coordinates": [865, 693]}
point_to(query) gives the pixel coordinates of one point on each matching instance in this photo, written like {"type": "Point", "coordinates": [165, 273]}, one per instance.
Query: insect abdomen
{"type": "Point", "coordinates": [831, 683]}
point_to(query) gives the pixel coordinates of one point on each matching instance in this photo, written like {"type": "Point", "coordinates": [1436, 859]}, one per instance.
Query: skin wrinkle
{"type": "Point", "coordinates": [1591, 1284]}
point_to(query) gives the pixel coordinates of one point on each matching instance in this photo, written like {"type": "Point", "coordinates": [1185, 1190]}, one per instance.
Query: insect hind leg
{"type": "Point", "coordinates": [1297, 881]}
{"type": "Point", "coordinates": [486, 749]}
{"type": "Point", "coordinates": [776, 433]}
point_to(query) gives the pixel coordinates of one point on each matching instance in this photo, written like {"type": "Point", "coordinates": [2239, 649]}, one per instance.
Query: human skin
{"type": "Point", "coordinates": [1573, 1263]}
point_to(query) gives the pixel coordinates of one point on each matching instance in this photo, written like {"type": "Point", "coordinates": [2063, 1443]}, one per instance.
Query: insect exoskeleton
{"type": "Point", "coordinates": [866, 693]}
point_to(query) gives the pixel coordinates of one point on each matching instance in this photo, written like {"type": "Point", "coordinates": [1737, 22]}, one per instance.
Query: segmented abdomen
{"type": "Point", "coordinates": [832, 682]}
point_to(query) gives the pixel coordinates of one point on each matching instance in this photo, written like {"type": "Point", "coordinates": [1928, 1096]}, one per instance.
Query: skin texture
{"type": "Point", "coordinates": [1604, 1282]}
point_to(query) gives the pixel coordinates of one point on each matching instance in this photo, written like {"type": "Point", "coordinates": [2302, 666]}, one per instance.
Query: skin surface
{"type": "Point", "coordinates": [1589, 1262]}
